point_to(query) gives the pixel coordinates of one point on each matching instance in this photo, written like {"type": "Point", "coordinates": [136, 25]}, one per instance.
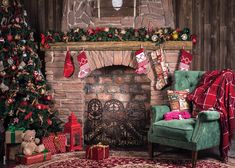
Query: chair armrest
{"type": "Point", "coordinates": [202, 121]}
{"type": "Point", "coordinates": [158, 112]}
{"type": "Point", "coordinates": [208, 116]}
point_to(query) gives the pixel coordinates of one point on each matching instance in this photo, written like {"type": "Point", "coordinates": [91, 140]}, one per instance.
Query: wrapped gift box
{"type": "Point", "coordinates": [97, 152]}
{"type": "Point", "coordinates": [35, 158]}
{"type": "Point", "coordinates": [13, 150]}
{"type": "Point", "coordinates": [55, 143]}
{"type": "Point", "coordinates": [13, 136]}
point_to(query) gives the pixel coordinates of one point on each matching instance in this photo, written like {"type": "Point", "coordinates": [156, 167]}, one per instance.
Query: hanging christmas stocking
{"type": "Point", "coordinates": [185, 60]}
{"type": "Point", "coordinates": [84, 65]}
{"type": "Point", "coordinates": [68, 65]}
{"type": "Point", "coordinates": [142, 62]}
{"type": "Point", "coordinates": [160, 69]}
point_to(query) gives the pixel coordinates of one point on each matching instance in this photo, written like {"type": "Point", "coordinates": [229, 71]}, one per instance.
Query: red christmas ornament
{"type": "Point", "coordinates": [10, 101]}
{"type": "Point", "coordinates": [13, 67]}
{"type": "Point", "coordinates": [194, 38]}
{"type": "Point", "coordinates": [49, 97]}
{"type": "Point", "coordinates": [49, 122]}
{"type": "Point", "coordinates": [74, 130]}
{"type": "Point", "coordinates": [9, 37]}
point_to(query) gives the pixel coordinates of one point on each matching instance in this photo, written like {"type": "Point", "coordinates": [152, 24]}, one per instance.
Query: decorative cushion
{"type": "Point", "coordinates": [177, 99]}
{"type": "Point", "coordinates": [177, 115]}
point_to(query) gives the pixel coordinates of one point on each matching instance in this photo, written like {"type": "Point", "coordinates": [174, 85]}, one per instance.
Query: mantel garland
{"type": "Point", "coordinates": [99, 34]}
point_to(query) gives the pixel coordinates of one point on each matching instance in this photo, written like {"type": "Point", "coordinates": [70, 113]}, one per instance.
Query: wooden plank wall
{"type": "Point", "coordinates": [213, 21]}
{"type": "Point", "coordinates": [44, 15]}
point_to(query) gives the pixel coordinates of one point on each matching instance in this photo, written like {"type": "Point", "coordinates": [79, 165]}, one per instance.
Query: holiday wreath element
{"type": "Point", "coordinates": [99, 34]}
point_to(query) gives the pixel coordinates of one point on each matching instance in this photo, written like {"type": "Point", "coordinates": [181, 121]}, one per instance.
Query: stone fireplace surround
{"type": "Point", "coordinates": [69, 93]}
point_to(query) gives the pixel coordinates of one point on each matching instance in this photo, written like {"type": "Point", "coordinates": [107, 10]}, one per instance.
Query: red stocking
{"type": "Point", "coordinates": [84, 66]}
{"type": "Point", "coordinates": [68, 65]}
{"type": "Point", "coordinates": [142, 62]}
{"type": "Point", "coordinates": [185, 60]}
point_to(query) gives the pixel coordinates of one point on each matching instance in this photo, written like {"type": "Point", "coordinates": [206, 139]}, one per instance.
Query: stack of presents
{"type": "Point", "coordinates": [22, 146]}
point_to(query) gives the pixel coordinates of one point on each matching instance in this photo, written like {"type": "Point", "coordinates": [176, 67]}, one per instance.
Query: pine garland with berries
{"type": "Point", "coordinates": [157, 36]}
{"type": "Point", "coordinates": [25, 100]}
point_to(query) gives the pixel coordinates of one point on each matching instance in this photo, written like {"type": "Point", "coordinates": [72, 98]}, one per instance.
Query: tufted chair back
{"type": "Point", "coordinates": [187, 79]}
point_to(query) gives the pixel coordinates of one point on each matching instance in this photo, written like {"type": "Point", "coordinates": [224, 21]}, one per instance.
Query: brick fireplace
{"type": "Point", "coordinates": [112, 84]}
{"type": "Point", "coordinates": [112, 76]}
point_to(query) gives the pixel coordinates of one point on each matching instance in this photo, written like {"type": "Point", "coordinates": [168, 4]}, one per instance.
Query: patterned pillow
{"type": "Point", "coordinates": [178, 100]}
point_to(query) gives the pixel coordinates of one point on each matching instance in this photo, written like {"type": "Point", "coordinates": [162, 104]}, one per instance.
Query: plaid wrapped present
{"type": "Point", "coordinates": [97, 152]}
{"type": "Point", "coordinates": [55, 143]}
{"type": "Point", "coordinates": [35, 158]}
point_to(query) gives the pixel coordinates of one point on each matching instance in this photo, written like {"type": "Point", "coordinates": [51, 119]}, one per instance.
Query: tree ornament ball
{"type": "Point", "coordinates": [123, 31]}
{"type": "Point", "coordinates": [9, 37]}
{"type": "Point", "coordinates": [175, 35]}
{"type": "Point", "coordinates": [194, 39]}
{"type": "Point", "coordinates": [49, 97]}
{"type": "Point", "coordinates": [10, 101]}
{"type": "Point", "coordinates": [2, 73]}
{"type": "Point", "coordinates": [110, 35]}
{"type": "Point", "coordinates": [106, 29]}
{"type": "Point", "coordinates": [184, 37]}
{"type": "Point", "coordinates": [13, 67]}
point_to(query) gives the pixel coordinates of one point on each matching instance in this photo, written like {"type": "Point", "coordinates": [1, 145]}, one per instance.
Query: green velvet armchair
{"type": "Point", "coordinates": [191, 134]}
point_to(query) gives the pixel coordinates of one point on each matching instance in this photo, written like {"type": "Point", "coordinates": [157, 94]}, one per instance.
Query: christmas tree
{"type": "Point", "coordinates": [25, 100]}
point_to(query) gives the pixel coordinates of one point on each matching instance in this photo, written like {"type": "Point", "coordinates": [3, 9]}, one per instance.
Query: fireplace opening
{"type": "Point", "coordinates": [117, 102]}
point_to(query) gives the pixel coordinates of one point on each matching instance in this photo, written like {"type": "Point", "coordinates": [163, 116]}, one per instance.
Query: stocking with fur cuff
{"type": "Point", "coordinates": [185, 60]}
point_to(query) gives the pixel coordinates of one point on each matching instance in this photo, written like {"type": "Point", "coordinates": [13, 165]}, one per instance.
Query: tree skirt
{"type": "Point", "coordinates": [77, 160]}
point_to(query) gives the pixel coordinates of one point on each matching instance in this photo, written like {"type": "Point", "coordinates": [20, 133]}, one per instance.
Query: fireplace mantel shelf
{"type": "Point", "coordinates": [119, 46]}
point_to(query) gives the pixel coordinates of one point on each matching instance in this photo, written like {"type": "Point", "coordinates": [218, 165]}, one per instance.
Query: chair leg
{"type": "Point", "coordinates": [194, 158]}
{"type": "Point", "coordinates": [150, 150]}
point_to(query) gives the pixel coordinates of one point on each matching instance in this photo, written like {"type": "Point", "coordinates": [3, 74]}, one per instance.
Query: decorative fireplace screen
{"type": "Point", "coordinates": [115, 125]}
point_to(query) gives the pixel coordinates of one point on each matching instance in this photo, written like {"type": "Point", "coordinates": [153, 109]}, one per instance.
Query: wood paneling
{"type": "Point", "coordinates": [213, 23]}
{"type": "Point", "coordinates": [44, 15]}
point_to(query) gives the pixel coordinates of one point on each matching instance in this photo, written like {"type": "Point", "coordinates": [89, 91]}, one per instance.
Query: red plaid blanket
{"type": "Point", "coordinates": [216, 90]}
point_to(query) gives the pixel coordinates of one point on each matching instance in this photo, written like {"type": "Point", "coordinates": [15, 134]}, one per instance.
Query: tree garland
{"type": "Point", "coordinates": [99, 34]}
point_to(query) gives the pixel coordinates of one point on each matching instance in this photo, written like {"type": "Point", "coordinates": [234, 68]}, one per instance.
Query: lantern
{"type": "Point", "coordinates": [73, 132]}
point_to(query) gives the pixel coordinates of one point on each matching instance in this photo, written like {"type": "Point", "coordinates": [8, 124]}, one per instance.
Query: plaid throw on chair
{"type": "Point", "coordinates": [216, 90]}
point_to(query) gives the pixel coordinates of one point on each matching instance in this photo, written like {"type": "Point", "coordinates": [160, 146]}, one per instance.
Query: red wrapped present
{"type": "Point", "coordinates": [35, 158]}
{"type": "Point", "coordinates": [97, 152]}
{"type": "Point", "coordinates": [55, 143]}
